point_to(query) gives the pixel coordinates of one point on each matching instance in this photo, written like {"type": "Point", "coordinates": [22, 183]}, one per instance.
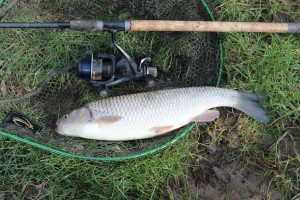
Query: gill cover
{"type": "Point", "coordinates": [71, 124]}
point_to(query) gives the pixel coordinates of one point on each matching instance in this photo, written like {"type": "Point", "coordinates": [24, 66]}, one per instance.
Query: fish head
{"type": "Point", "coordinates": [72, 123]}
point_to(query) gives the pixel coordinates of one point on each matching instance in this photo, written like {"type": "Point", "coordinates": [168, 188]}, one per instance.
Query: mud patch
{"type": "Point", "coordinates": [221, 178]}
{"type": "Point", "coordinates": [235, 181]}
{"type": "Point", "coordinates": [219, 171]}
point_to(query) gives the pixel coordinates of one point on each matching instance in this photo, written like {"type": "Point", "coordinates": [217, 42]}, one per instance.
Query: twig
{"type": "Point", "coordinates": [279, 140]}
{"type": "Point", "coordinates": [297, 197]}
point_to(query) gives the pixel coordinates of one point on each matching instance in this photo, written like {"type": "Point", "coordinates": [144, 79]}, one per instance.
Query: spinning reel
{"type": "Point", "coordinates": [103, 70]}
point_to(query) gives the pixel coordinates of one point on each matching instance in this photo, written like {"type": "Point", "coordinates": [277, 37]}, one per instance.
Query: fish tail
{"type": "Point", "coordinates": [249, 103]}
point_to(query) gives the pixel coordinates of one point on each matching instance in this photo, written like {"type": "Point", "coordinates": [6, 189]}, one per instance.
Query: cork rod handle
{"type": "Point", "coordinates": [217, 26]}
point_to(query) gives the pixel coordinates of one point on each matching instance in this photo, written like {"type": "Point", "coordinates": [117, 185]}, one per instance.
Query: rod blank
{"type": "Point", "coordinates": [34, 24]}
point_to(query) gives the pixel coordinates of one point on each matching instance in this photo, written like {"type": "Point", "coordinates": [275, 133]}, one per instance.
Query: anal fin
{"type": "Point", "coordinates": [207, 116]}
{"type": "Point", "coordinates": [161, 129]}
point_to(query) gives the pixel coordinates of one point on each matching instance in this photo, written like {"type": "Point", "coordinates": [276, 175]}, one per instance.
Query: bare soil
{"type": "Point", "coordinates": [219, 173]}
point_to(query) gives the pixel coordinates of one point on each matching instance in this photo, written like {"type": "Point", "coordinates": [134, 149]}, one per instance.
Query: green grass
{"type": "Point", "coordinates": [261, 63]}
{"type": "Point", "coordinates": [267, 64]}
{"type": "Point", "coordinates": [69, 178]}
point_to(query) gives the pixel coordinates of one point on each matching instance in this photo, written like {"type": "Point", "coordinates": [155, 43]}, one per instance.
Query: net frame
{"type": "Point", "coordinates": [139, 154]}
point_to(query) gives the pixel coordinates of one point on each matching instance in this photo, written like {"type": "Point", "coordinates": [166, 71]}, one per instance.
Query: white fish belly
{"type": "Point", "coordinates": [117, 131]}
{"type": "Point", "coordinates": [141, 127]}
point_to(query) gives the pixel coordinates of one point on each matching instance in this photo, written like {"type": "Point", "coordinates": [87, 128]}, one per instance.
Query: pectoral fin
{"type": "Point", "coordinates": [106, 120]}
{"type": "Point", "coordinates": [207, 116]}
{"type": "Point", "coordinates": [161, 129]}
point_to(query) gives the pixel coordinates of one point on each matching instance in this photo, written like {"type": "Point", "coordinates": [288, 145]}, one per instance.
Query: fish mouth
{"type": "Point", "coordinates": [58, 130]}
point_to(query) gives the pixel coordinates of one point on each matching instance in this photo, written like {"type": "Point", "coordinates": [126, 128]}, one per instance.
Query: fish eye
{"type": "Point", "coordinates": [65, 116]}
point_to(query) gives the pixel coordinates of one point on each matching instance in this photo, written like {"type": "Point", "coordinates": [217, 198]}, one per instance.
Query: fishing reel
{"type": "Point", "coordinates": [104, 70]}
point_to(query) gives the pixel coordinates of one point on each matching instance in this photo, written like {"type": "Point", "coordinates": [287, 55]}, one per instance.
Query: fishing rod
{"type": "Point", "coordinates": [104, 70]}
{"type": "Point", "coordinates": [162, 25]}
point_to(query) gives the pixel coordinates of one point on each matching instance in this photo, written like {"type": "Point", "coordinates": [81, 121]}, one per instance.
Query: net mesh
{"type": "Point", "coordinates": [183, 59]}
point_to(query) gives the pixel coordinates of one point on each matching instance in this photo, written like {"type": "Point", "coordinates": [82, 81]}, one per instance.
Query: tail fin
{"type": "Point", "coordinates": [249, 104]}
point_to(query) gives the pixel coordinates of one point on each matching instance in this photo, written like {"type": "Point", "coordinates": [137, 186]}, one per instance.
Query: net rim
{"type": "Point", "coordinates": [137, 155]}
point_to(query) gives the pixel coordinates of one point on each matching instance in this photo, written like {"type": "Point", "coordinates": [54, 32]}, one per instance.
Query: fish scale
{"type": "Point", "coordinates": [132, 106]}
{"type": "Point", "coordinates": [149, 114]}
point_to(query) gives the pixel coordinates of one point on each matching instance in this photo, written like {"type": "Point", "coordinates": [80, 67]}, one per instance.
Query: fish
{"type": "Point", "coordinates": [150, 114]}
